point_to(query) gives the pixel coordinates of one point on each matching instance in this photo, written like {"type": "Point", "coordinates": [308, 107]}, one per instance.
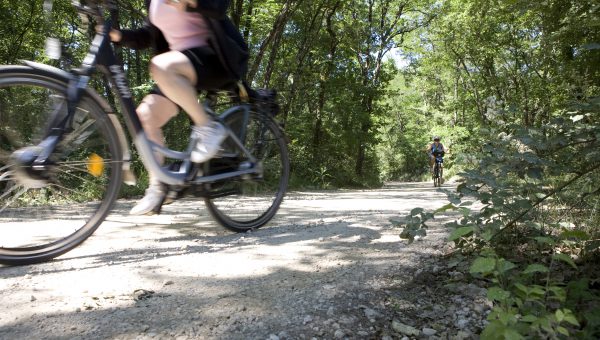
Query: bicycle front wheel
{"type": "Point", "coordinates": [47, 211]}
{"type": "Point", "coordinates": [249, 203]}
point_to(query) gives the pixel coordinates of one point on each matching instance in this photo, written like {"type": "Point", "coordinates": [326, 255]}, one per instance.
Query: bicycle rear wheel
{"type": "Point", "coordinates": [250, 202]}
{"type": "Point", "coordinates": [47, 211]}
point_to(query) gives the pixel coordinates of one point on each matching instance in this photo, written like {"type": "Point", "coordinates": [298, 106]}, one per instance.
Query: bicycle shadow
{"type": "Point", "coordinates": [304, 216]}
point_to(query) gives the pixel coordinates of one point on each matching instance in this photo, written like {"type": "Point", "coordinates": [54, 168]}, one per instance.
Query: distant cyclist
{"type": "Point", "coordinates": [435, 151]}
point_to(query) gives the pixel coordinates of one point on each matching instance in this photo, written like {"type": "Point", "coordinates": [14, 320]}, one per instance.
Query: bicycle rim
{"type": "Point", "coordinates": [249, 203]}
{"type": "Point", "coordinates": [46, 215]}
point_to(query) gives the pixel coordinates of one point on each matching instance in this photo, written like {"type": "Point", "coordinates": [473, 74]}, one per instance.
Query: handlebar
{"type": "Point", "coordinates": [94, 8]}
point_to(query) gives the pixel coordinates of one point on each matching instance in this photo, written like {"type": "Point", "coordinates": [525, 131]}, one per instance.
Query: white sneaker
{"type": "Point", "coordinates": [151, 202]}
{"type": "Point", "coordinates": [209, 138]}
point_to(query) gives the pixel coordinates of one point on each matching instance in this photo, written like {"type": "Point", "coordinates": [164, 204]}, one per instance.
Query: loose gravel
{"type": "Point", "coordinates": [329, 266]}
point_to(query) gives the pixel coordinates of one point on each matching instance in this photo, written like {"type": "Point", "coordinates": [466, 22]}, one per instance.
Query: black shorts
{"type": "Point", "coordinates": [210, 72]}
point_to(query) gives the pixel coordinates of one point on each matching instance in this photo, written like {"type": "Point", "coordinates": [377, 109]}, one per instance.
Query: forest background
{"type": "Point", "coordinates": [511, 86]}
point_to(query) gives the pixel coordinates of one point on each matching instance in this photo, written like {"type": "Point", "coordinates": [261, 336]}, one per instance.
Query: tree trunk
{"type": "Point", "coordinates": [278, 27]}
{"type": "Point", "coordinates": [248, 24]}
{"type": "Point", "coordinates": [236, 15]}
{"type": "Point", "coordinates": [305, 47]}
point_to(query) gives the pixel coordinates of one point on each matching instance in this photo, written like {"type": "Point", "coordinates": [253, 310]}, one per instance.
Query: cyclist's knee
{"type": "Point", "coordinates": [169, 64]}
{"type": "Point", "coordinates": [155, 111]}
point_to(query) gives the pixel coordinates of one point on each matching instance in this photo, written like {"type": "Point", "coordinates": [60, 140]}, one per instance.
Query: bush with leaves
{"type": "Point", "coordinates": [529, 211]}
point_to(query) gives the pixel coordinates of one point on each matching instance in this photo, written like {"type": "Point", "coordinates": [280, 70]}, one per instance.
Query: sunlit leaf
{"type": "Point", "coordinates": [460, 232]}
{"type": "Point", "coordinates": [483, 265]}
{"type": "Point", "coordinates": [565, 258]}
{"type": "Point", "coordinates": [535, 268]}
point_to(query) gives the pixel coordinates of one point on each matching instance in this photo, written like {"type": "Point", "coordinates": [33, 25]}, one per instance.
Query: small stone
{"type": "Point", "coordinates": [168, 283]}
{"type": "Point", "coordinates": [339, 334]}
{"type": "Point", "coordinates": [33, 298]}
{"type": "Point", "coordinates": [307, 319]}
{"type": "Point", "coordinates": [330, 311]}
{"type": "Point", "coordinates": [479, 308]}
{"type": "Point", "coordinates": [462, 323]}
{"type": "Point", "coordinates": [404, 329]}
{"type": "Point", "coordinates": [142, 294]}
{"type": "Point", "coordinates": [429, 331]}
{"type": "Point", "coordinates": [386, 337]}
{"type": "Point", "coordinates": [273, 337]}
{"type": "Point", "coordinates": [371, 313]}
{"type": "Point", "coordinates": [463, 335]}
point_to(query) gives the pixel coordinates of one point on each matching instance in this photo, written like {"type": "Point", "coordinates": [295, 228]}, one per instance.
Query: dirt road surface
{"type": "Point", "coordinates": [329, 266]}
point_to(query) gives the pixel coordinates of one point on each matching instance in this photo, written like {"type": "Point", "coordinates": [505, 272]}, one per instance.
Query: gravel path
{"type": "Point", "coordinates": [329, 266]}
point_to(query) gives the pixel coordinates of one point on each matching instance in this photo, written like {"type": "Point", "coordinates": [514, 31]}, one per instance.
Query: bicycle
{"type": "Point", "coordinates": [64, 155]}
{"type": "Point", "coordinates": [438, 170]}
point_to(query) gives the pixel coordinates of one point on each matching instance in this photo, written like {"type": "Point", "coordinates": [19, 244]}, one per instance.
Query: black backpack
{"type": "Point", "coordinates": [230, 47]}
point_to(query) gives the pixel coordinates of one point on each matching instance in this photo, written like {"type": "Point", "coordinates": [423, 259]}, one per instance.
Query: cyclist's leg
{"type": "Point", "coordinates": [154, 112]}
{"type": "Point", "coordinates": [179, 75]}
{"type": "Point", "coordinates": [176, 77]}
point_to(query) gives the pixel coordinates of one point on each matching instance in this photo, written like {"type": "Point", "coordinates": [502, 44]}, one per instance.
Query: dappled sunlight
{"type": "Point", "coordinates": [320, 246]}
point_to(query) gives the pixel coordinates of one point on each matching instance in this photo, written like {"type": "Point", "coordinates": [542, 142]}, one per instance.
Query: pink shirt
{"type": "Point", "coordinates": [182, 30]}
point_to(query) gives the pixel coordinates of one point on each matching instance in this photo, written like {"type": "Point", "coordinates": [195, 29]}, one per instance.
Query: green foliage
{"type": "Point", "coordinates": [529, 209]}
{"type": "Point", "coordinates": [414, 225]}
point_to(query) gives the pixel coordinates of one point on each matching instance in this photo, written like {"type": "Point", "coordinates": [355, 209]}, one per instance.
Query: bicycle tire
{"type": "Point", "coordinates": [81, 184]}
{"type": "Point", "coordinates": [249, 203]}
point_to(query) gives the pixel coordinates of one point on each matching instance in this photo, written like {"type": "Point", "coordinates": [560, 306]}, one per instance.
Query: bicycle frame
{"type": "Point", "coordinates": [101, 57]}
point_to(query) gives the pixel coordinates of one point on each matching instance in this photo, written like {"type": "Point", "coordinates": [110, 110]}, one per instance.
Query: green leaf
{"type": "Point", "coordinates": [460, 232]}
{"type": "Point", "coordinates": [529, 318]}
{"type": "Point", "coordinates": [559, 315]}
{"type": "Point", "coordinates": [535, 173]}
{"type": "Point", "coordinates": [493, 329]}
{"type": "Point", "coordinates": [445, 208]}
{"type": "Point", "coordinates": [511, 334]}
{"type": "Point", "coordinates": [522, 288]}
{"type": "Point", "coordinates": [545, 240]}
{"type": "Point", "coordinates": [487, 235]}
{"type": "Point", "coordinates": [464, 211]}
{"type": "Point", "coordinates": [416, 211]}
{"type": "Point", "coordinates": [483, 265]}
{"type": "Point", "coordinates": [565, 258]}
{"type": "Point", "coordinates": [537, 290]}
{"type": "Point", "coordinates": [396, 223]}
{"type": "Point", "coordinates": [570, 318]}
{"type": "Point", "coordinates": [535, 268]}
{"type": "Point", "coordinates": [562, 330]}
{"type": "Point", "coordinates": [504, 265]}
{"type": "Point", "coordinates": [497, 294]}
{"type": "Point", "coordinates": [577, 234]}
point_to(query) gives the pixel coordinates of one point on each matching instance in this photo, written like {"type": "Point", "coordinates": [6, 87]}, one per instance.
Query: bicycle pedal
{"type": "Point", "coordinates": [172, 196]}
